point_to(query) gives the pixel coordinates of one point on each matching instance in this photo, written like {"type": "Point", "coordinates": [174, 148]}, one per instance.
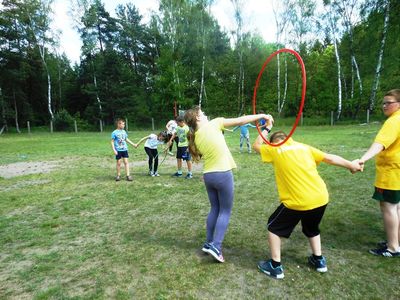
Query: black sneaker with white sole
{"type": "Point", "coordinates": [384, 251]}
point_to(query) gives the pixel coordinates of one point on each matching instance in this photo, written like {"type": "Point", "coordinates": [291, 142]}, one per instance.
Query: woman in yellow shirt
{"type": "Point", "coordinates": [386, 148]}
{"type": "Point", "coordinates": [207, 142]}
{"type": "Point", "coordinates": [302, 193]}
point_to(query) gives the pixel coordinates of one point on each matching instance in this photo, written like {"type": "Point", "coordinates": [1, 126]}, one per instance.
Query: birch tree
{"type": "Point", "coordinates": [205, 6]}
{"type": "Point", "coordinates": [349, 13]}
{"type": "Point", "coordinates": [39, 25]}
{"type": "Point", "coordinates": [282, 14]}
{"type": "Point", "coordinates": [331, 18]}
{"type": "Point", "coordinates": [372, 99]}
{"type": "Point", "coordinates": [172, 12]}
{"type": "Point", "coordinates": [238, 9]}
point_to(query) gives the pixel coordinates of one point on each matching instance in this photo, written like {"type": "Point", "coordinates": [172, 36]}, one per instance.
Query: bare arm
{"type": "Point", "coordinates": [375, 149]}
{"type": "Point", "coordinates": [259, 141]}
{"type": "Point", "coordinates": [141, 141]}
{"type": "Point", "coordinates": [113, 147]}
{"type": "Point", "coordinates": [245, 119]}
{"type": "Point", "coordinates": [171, 139]}
{"type": "Point", "coordinates": [339, 161]}
{"type": "Point", "coordinates": [130, 142]}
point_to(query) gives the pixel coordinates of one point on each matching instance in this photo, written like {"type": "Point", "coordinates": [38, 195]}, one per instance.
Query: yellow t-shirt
{"type": "Point", "coordinates": [211, 144]}
{"type": "Point", "coordinates": [299, 185]}
{"type": "Point", "coordinates": [388, 161]}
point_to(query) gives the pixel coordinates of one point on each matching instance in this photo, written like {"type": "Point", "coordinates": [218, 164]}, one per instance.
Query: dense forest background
{"type": "Point", "coordinates": [139, 71]}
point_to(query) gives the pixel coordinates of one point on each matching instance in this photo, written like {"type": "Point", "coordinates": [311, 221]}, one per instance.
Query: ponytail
{"type": "Point", "coordinates": [191, 121]}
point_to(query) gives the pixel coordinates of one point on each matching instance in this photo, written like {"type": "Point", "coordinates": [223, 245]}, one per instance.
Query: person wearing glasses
{"type": "Point", "coordinates": [386, 148]}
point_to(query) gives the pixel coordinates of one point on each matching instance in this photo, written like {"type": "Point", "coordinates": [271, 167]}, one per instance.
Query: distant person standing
{"type": "Point", "coordinates": [119, 137]}
{"type": "Point", "coordinates": [171, 129]}
{"type": "Point", "coordinates": [386, 148]}
{"type": "Point", "coordinates": [244, 135]}
{"type": "Point", "coordinates": [183, 151]}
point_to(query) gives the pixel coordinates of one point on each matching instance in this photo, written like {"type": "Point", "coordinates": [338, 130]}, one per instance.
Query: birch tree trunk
{"type": "Point", "coordinates": [285, 88]}
{"type": "Point", "coordinates": [97, 95]}
{"type": "Point", "coordinates": [202, 87]}
{"type": "Point", "coordinates": [380, 57]}
{"type": "Point", "coordinates": [282, 11]}
{"type": "Point", "coordinates": [339, 107]}
{"type": "Point", "coordinates": [238, 4]}
{"type": "Point", "coordinates": [16, 112]}
{"type": "Point", "coordinates": [3, 113]}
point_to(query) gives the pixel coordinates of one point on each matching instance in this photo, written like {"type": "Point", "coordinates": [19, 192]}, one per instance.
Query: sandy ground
{"type": "Point", "coordinates": [27, 168]}
{"type": "Point", "coordinates": [38, 167]}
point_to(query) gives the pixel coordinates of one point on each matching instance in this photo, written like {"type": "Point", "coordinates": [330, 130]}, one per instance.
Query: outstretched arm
{"type": "Point", "coordinates": [339, 161]}
{"type": "Point", "coordinates": [245, 119]}
{"type": "Point", "coordinates": [130, 142]}
{"type": "Point", "coordinates": [141, 141]}
{"type": "Point", "coordinates": [374, 150]}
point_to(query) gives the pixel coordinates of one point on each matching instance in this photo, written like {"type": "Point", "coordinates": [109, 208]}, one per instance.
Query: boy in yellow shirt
{"type": "Point", "coordinates": [303, 195]}
{"type": "Point", "coordinates": [386, 148]}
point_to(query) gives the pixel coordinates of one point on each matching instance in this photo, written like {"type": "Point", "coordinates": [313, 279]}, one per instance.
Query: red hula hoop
{"type": "Point", "coordinates": [303, 92]}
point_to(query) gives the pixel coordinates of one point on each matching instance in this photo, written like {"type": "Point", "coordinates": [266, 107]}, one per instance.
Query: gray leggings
{"type": "Point", "coordinates": [220, 189]}
{"type": "Point", "coordinates": [247, 138]}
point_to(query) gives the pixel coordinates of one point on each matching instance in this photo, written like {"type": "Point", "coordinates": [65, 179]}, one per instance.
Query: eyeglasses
{"type": "Point", "coordinates": [387, 103]}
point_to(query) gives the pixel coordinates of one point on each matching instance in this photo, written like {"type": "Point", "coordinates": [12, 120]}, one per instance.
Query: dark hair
{"type": "Point", "coordinates": [163, 134]}
{"type": "Point", "coordinates": [191, 120]}
{"type": "Point", "coordinates": [119, 120]}
{"type": "Point", "coordinates": [180, 119]}
{"type": "Point", "coordinates": [278, 135]}
{"type": "Point", "coordinates": [394, 93]}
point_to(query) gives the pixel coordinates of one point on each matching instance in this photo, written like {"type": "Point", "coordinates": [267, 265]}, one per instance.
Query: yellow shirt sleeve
{"type": "Point", "coordinates": [317, 154]}
{"type": "Point", "coordinates": [389, 132]}
{"type": "Point", "coordinates": [265, 153]}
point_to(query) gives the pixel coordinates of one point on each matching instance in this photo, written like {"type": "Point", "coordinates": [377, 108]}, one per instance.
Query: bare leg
{"type": "Point", "coordinates": [179, 162]}
{"type": "Point", "coordinates": [391, 224]}
{"type": "Point", "coordinates": [119, 167]}
{"type": "Point", "coordinates": [315, 244]}
{"type": "Point", "coordinates": [126, 163]}
{"type": "Point", "coordinates": [398, 216]}
{"type": "Point", "coordinates": [274, 242]}
{"type": "Point", "coordinates": [189, 165]}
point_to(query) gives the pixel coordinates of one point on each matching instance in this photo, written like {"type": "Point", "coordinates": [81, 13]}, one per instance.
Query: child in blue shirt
{"type": "Point", "coordinates": [119, 137]}
{"type": "Point", "coordinates": [244, 134]}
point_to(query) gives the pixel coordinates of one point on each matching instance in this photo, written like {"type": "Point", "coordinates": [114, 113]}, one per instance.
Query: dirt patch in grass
{"type": "Point", "coordinates": [24, 183]}
{"type": "Point", "coordinates": [27, 168]}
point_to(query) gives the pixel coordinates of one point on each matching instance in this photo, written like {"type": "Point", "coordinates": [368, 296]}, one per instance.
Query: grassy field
{"type": "Point", "coordinates": [75, 233]}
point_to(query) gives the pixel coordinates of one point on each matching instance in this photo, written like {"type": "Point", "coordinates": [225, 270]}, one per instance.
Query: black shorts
{"type": "Point", "coordinates": [391, 196]}
{"type": "Point", "coordinates": [284, 220]}
{"type": "Point", "coordinates": [183, 153]}
{"type": "Point", "coordinates": [121, 154]}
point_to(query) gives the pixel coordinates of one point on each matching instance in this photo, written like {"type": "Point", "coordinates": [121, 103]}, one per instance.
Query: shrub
{"type": "Point", "coordinates": [63, 121]}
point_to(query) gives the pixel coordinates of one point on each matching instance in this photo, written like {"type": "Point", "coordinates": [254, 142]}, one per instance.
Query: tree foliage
{"type": "Point", "coordinates": [137, 70]}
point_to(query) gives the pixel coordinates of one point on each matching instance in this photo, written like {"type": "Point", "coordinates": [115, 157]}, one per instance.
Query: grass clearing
{"type": "Point", "coordinates": [75, 233]}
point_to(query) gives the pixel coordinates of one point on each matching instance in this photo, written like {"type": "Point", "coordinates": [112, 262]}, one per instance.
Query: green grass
{"type": "Point", "coordinates": [75, 233]}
